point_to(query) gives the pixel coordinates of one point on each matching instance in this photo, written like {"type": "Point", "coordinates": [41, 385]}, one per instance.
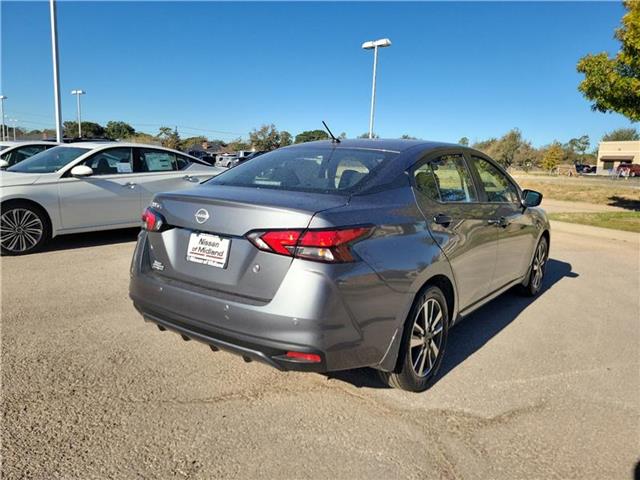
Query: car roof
{"type": "Point", "coordinates": [387, 144]}
{"type": "Point", "coordinates": [18, 143]}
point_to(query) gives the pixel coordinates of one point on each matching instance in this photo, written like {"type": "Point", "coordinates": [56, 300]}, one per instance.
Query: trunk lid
{"type": "Point", "coordinates": [232, 212]}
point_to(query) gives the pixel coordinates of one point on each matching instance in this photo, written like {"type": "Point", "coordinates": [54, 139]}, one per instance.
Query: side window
{"type": "Point", "coordinates": [182, 162]}
{"type": "Point", "coordinates": [426, 182]}
{"type": "Point", "coordinates": [150, 160]}
{"type": "Point", "coordinates": [450, 177]}
{"type": "Point", "coordinates": [110, 162]}
{"type": "Point", "coordinates": [496, 185]}
{"type": "Point", "coordinates": [23, 153]}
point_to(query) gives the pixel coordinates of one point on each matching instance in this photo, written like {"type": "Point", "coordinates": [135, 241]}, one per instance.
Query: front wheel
{"type": "Point", "coordinates": [23, 229]}
{"type": "Point", "coordinates": [423, 343]}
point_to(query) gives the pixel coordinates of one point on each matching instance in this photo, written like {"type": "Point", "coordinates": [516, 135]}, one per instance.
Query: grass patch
{"type": "Point", "coordinates": [628, 221]}
{"type": "Point", "coordinates": [602, 191]}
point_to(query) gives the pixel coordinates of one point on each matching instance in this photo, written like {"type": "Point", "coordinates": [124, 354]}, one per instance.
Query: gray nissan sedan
{"type": "Point", "coordinates": [327, 256]}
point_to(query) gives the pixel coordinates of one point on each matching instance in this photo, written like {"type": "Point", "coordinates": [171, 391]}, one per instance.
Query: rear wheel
{"type": "Point", "coordinates": [538, 264]}
{"type": "Point", "coordinates": [423, 343]}
{"type": "Point", "coordinates": [24, 229]}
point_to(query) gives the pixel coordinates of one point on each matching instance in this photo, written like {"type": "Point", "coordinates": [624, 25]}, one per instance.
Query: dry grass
{"type": "Point", "coordinates": [628, 221]}
{"type": "Point", "coordinates": [603, 191]}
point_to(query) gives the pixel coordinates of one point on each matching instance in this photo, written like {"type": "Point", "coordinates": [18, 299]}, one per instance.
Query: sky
{"type": "Point", "coordinates": [470, 69]}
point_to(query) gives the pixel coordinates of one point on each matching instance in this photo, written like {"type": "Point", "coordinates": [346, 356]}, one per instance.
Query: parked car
{"type": "Point", "coordinates": [226, 160]}
{"type": "Point", "coordinates": [14, 152]}
{"type": "Point", "coordinates": [329, 256]}
{"type": "Point", "coordinates": [584, 168]}
{"type": "Point", "coordinates": [629, 169]}
{"type": "Point", "coordinates": [80, 187]}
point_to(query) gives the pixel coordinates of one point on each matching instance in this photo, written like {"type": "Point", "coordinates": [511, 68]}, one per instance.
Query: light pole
{"type": "Point", "coordinates": [14, 121]}
{"type": "Point", "coordinates": [77, 93]}
{"type": "Point", "coordinates": [2, 99]}
{"type": "Point", "coordinates": [56, 73]}
{"type": "Point", "coordinates": [374, 44]}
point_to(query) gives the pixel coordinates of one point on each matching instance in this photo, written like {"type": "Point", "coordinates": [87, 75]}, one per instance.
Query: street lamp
{"type": "Point", "coordinates": [77, 93]}
{"type": "Point", "coordinates": [374, 44]}
{"type": "Point", "coordinates": [2, 99]}
{"type": "Point", "coordinates": [15, 122]}
{"type": "Point", "coordinates": [56, 71]}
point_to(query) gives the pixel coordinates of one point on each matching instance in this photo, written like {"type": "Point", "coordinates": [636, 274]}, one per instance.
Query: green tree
{"type": "Point", "coordinates": [169, 138]}
{"type": "Point", "coordinates": [118, 130]}
{"type": "Point", "coordinates": [286, 138]}
{"type": "Point", "coordinates": [342, 136]}
{"type": "Point", "coordinates": [366, 135]}
{"type": "Point", "coordinates": [238, 144]}
{"type": "Point", "coordinates": [407, 137]}
{"type": "Point", "coordinates": [192, 142]}
{"type": "Point", "coordinates": [553, 156]}
{"type": "Point", "coordinates": [311, 135]}
{"type": "Point", "coordinates": [89, 129]}
{"type": "Point", "coordinates": [267, 137]}
{"type": "Point", "coordinates": [621, 135]}
{"type": "Point", "coordinates": [464, 141]}
{"type": "Point", "coordinates": [613, 84]}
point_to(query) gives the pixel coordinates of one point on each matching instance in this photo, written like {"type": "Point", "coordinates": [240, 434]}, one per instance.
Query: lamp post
{"type": "Point", "coordinates": [15, 122]}
{"type": "Point", "coordinates": [56, 72]}
{"type": "Point", "coordinates": [2, 99]}
{"type": "Point", "coordinates": [77, 93]}
{"type": "Point", "coordinates": [374, 45]}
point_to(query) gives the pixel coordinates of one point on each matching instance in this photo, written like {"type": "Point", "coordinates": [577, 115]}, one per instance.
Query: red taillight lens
{"type": "Point", "coordinates": [319, 245]}
{"type": "Point", "coordinates": [309, 357]}
{"type": "Point", "coordinates": [152, 220]}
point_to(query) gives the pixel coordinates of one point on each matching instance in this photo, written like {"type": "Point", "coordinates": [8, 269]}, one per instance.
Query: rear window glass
{"type": "Point", "coordinates": [327, 170]}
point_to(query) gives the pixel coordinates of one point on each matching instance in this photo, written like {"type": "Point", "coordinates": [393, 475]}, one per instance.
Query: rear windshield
{"type": "Point", "coordinates": [49, 161]}
{"type": "Point", "coordinates": [321, 170]}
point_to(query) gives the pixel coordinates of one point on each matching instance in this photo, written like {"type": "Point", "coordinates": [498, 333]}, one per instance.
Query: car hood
{"type": "Point", "coordinates": [13, 179]}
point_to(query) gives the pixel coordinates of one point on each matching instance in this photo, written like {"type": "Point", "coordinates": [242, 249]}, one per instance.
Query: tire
{"type": "Point", "coordinates": [24, 228]}
{"type": "Point", "coordinates": [537, 269]}
{"type": "Point", "coordinates": [418, 365]}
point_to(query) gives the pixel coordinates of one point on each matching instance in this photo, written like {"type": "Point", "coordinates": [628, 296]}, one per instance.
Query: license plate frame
{"type": "Point", "coordinates": [208, 249]}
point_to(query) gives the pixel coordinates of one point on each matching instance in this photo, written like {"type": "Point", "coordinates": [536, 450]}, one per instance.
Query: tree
{"type": "Point", "coordinates": [407, 137]}
{"type": "Point", "coordinates": [621, 135]}
{"type": "Point", "coordinates": [464, 141]}
{"type": "Point", "coordinates": [285, 138]}
{"type": "Point", "coordinates": [311, 135]}
{"type": "Point", "coordinates": [342, 136]}
{"type": "Point", "coordinates": [366, 135]}
{"type": "Point", "coordinates": [553, 156]}
{"type": "Point", "coordinates": [267, 137]}
{"type": "Point", "coordinates": [237, 145]}
{"type": "Point", "coordinates": [613, 84]}
{"type": "Point", "coordinates": [191, 143]}
{"type": "Point", "coordinates": [169, 138]}
{"type": "Point", "coordinates": [89, 129]}
{"type": "Point", "coordinates": [118, 130]}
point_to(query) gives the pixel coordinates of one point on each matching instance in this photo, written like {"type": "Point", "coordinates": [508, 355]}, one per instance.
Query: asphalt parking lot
{"type": "Point", "coordinates": [548, 388]}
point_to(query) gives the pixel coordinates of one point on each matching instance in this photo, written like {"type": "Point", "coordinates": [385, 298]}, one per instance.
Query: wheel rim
{"type": "Point", "coordinates": [426, 337]}
{"type": "Point", "coordinates": [538, 265]}
{"type": "Point", "coordinates": [20, 230]}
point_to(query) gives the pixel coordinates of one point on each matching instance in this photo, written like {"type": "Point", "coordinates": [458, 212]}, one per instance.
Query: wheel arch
{"type": "Point", "coordinates": [47, 216]}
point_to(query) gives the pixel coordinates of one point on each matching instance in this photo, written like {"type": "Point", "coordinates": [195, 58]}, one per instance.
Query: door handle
{"type": "Point", "coordinates": [499, 222]}
{"type": "Point", "coordinates": [189, 178]}
{"type": "Point", "coordinates": [129, 185]}
{"type": "Point", "coordinates": [442, 219]}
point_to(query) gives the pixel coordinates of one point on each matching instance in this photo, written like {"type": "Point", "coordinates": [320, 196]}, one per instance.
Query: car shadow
{"type": "Point", "coordinates": [626, 203]}
{"type": "Point", "coordinates": [473, 332]}
{"type": "Point", "coordinates": [92, 239]}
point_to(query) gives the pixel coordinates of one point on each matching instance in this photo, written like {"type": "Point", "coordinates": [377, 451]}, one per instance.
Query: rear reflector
{"type": "Point", "coordinates": [326, 245]}
{"type": "Point", "coordinates": [308, 357]}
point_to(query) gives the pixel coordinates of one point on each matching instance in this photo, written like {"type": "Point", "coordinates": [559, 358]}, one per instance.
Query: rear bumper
{"type": "Point", "coordinates": [334, 311]}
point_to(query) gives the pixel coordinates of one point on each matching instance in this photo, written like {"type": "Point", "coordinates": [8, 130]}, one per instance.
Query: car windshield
{"type": "Point", "coordinates": [321, 170]}
{"type": "Point", "coordinates": [49, 161]}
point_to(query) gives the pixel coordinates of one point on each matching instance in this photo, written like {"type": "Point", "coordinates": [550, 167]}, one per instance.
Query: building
{"type": "Point", "coordinates": [612, 154]}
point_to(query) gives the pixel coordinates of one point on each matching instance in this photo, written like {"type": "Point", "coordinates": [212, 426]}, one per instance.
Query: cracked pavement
{"type": "Point", "coordinates": [548, 388]}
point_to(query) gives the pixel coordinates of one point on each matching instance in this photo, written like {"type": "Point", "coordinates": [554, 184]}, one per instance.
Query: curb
{"type": "Point", "coordinates": [607, 233]}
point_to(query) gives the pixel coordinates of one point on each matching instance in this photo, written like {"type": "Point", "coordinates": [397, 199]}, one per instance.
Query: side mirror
{"type": "Point", "coordinates": [81, 171]}
{"type": "Point", "coordinates": [531, 198]}
{"type": "Point", "coordinates": [3, 164]}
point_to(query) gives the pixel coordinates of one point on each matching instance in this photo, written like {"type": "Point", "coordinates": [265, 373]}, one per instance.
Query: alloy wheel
{"type": "Point", "coordinates": [538, 265]}
{"type": "Point", "coordinates": [20, 230]}
{"type": "Point", "coordinates": [426, 337]}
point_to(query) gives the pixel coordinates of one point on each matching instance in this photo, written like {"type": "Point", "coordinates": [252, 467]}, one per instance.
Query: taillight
{"type": "Point", "coordinates": [307, 357]}
{"type": "Point", "coordinates": [152, 220]}
{"type": "Point", "coordinates": [333, 246]}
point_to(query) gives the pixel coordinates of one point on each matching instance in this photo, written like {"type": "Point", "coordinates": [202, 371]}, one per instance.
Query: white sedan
{"type": "Point", "coordinates": [14, 152]}
{"type": "Point", "coordinates": [81, 187]}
